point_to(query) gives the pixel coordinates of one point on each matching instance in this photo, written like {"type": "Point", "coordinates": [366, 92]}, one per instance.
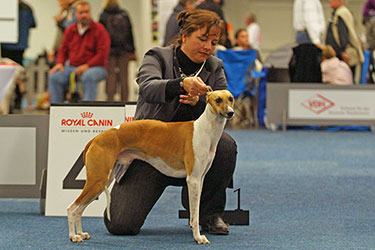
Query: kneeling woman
{"type": "Point", "coordinates": [172, 85]}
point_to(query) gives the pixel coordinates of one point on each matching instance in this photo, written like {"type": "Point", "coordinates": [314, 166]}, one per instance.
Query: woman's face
{"type": "Point", "coordinates": [198, 46]}
{"type": "Point", "coordinates": [242, 39]}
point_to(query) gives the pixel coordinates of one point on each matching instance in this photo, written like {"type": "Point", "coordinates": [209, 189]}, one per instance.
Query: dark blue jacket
{"type": "Point", "coordinates": [25, 22]}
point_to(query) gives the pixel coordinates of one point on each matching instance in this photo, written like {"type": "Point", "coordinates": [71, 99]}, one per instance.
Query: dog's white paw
{"type": "Point", "coordinates": [76, 238]}
{"type": "Point", "coordinates": [85, 236]}
{"type": "Point", "coordinates": [202, 240]}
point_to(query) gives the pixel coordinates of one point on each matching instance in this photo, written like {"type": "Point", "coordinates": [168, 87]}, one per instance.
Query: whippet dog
{"type": "Point", "coordinates": [176, 149]}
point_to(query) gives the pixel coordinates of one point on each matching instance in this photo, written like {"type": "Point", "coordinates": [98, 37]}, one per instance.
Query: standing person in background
{"type": "Point", "coordinates": [118, 25]}
{"type": "Point", "coordinates": [85, 47]}
{"type": "Point", "coordinates": [172, 29]}
{"type": "Point", "coordinates": [342, 36]}
{"type": "Point", "coordinates": [64, 8]}
{"type": "Point", "coordinates": [309, 24]}
{"type": "Point", "coordinates": [253, 30]}
{"type": "Point", "coordinates": [368, 15]}
{"type": "Point", "coordinates": [216, 6]}
{"type": "Point", "coordinates": [309, 21]}
{"type": "Point", "coordinates": [63, 20]}
{"type": "Point", "coordinates": [15, 51]}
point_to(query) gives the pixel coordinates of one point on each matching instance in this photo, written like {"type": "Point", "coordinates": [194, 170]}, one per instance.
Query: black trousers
{"type": "Point", "coordinates": [142, 185]}
{"type": "Point", "coordinates": [15, 55]}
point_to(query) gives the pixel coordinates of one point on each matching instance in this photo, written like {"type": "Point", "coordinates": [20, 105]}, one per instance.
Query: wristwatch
{"type": "Point", "coordinates": [182, 83]}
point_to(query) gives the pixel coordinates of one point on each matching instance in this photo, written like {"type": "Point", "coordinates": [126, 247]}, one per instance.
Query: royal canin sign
{"type": "Point", "coordinates": [318, 104]}
{"type": "Point", "coordinates": [86, 121]}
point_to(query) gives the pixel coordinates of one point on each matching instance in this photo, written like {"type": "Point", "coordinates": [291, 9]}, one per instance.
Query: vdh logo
{"type": "Point", "coordinates": [318, 104]}
{"type": "Point", "coordinates": [87, 114]}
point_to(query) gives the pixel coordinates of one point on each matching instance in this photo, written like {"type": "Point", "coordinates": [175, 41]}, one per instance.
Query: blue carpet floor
{"type": "Point", "coordinates": [304, 190]}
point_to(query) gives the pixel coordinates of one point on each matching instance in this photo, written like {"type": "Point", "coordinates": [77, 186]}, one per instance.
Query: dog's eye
{"type": "Point", "coordinates": [219, 100]}
{"type": "Point", "coordinates": [231, 99]}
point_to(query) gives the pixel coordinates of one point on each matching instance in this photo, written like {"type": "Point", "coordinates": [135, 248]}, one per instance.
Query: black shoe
{"type": "Point", "coordinates": [215, 225]}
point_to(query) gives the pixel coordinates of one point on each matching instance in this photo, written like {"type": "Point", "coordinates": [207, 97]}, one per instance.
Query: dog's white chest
{"type": "Point", "coordinates": [165, 169]}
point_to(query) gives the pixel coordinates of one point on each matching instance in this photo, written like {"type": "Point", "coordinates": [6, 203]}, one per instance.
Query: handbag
{"type": "Point", "coordinates": [73, 95]}
{"type": "Point", "coordinates": [353, 55]}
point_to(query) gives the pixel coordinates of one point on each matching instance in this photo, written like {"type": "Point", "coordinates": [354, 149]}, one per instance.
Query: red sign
{"type": "Point", "coordinates": [318, 104]}
{"type": "Point", "coordinates": [86, 121]}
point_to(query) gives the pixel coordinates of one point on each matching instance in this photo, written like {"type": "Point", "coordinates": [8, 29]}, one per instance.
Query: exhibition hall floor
{"type": "Point", "coordinates": [305, 189]}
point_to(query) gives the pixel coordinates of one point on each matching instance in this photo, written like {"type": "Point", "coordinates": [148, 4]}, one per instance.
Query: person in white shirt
{"type": "Point", "coordinates": [308, 21]}
{"type": "Point", "coordinates": [253, 29]}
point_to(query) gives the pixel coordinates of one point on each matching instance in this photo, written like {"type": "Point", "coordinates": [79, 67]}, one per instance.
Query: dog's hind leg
{"type": "Point", "coordinates": [95, 184]}
{"type": "Point", "coordinates": [75, 210]}
{"type": "Point", "coordinates": [74, 219]}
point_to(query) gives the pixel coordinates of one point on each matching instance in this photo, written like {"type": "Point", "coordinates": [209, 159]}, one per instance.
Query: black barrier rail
{"type": "Point", "coordinates": [233, 217]}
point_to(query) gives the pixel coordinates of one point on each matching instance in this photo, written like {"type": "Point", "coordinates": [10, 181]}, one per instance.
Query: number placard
{"type": "Point", "coordinates": [70, 129]}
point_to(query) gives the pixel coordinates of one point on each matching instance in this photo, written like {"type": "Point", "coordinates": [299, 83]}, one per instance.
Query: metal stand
{"type": "Point", "coordinates": [284, 120]}
{"type": "Point", "coordinates": [42, 188]}
{"type": "Point", "coordinates": [232, 217]}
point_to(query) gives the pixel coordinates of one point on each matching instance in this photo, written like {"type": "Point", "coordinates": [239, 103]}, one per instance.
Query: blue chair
{"type": "Point", "coordinates": [238, 67]}
{"type": "Point", "coordinates": [365, 66]}
{"type": "Point", "coordinates": [236, 64]}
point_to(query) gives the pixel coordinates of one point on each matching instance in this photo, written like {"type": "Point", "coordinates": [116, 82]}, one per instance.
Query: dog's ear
{"type": "Point", "coordinates": [208, 95]}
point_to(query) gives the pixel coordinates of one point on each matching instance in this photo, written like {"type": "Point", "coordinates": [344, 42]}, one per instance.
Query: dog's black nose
{"type": "Point", "coordinates": [230, 114]}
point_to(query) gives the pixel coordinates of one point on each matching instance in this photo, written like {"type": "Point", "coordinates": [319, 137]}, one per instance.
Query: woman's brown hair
{"type": "Point", "coordinates": [190, 21]}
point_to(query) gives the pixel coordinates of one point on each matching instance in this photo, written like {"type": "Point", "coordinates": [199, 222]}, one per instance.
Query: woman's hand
{"type": "Point", "coordinates": [194, 86]}
{"type": "Point", "coordinates": [189, 99]}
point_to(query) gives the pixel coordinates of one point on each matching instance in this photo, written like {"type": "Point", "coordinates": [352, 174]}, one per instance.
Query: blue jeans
{"type": "Point", "coordinates": [302, 37]}
{"type": "Point", "coordinates": [59, 81]}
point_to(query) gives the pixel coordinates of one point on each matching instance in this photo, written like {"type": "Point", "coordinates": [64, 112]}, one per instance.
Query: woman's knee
{"type": "Point", "coordinates": [227, 146]}
{"type": "Point", "coordinates": [120, 227]}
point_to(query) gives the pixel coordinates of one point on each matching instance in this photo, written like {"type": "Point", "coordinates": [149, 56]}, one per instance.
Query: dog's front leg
{"type": "Point", "coordinates": [194, 184]}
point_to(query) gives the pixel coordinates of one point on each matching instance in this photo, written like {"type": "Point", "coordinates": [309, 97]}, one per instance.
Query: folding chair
{"type": "Point", "coordinates": [237, 66]}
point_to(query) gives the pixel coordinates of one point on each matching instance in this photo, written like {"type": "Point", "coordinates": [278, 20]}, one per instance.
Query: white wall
{"type": "Point", "coordinates": [274, 17]}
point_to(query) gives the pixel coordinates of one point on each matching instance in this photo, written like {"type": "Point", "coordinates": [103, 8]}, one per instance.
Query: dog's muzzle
{"type": "Point", "coordinates": [229, 114]}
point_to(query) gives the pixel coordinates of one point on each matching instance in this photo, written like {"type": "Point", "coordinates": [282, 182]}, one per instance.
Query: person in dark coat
{"type": "Point", "coordinates": [15, 51]}
{"type": "Point", "coordinates": [118, 25]}
{"type": "Point", "coordinates": [172, 28]}
{"type": "Point", "coordinates": [215, 6]}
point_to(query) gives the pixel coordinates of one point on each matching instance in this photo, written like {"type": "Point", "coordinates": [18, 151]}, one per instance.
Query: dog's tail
{"type": "Point", "coordinates": [85, 150]}
{"type": "Point", "coordinates": [108, 202]}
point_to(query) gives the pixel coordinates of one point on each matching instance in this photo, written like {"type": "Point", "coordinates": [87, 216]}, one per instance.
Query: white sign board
{"type": "Point", "coordinates": [331, 104]}
{"type": "Point", "coordinates": [9, 21]}
{"type": "Point", "coordinates": [18, 155]}
{"type": "Point", "coordinates": [70, 129]}
{"type": "Point", "coordinates": [130, 111]}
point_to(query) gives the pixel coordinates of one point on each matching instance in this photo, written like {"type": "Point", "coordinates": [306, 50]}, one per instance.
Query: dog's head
{"type": "Point", "coordinates": [221, 102]}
